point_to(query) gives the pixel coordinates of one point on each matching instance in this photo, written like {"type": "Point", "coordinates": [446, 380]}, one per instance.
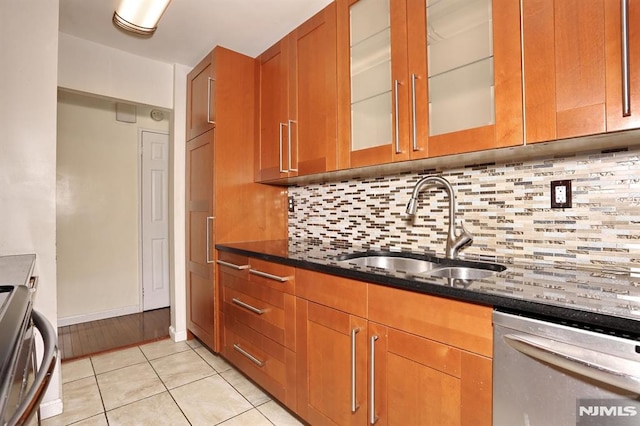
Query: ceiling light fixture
{"type": "Point", "coordinates": [139, 16]}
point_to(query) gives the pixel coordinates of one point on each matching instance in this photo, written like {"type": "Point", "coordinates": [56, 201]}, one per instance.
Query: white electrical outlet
{"type": "Point", "coordinates": [561, 194]}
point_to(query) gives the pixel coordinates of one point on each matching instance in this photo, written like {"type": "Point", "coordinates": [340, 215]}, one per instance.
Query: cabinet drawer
{"type": "Point", "coordinates": [233, 264]}
{"type": "Point", "coordinates": [459, 324]}
{"type": "Point", "coordinates": [269, 364]}
{"type": "Point", "coordinates": [339, 293]}
{"type": "Point", "coordinates": [269, 312]}
{"type": "Point", "coordinates": [273, 275]}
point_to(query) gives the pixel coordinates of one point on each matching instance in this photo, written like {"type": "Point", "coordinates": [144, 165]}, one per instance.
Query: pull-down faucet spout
{"type": "Point", "coordinates": [454, 242]}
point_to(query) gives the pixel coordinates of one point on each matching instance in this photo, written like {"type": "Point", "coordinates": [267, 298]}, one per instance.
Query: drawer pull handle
{"type": "Point", "coordinates": [270, 276]}
{"type": "Point", "coordinates": [233, 265]}
{"type": "Point", "coordinates": [246, 354]}
{"type": "Point", "coordinates": [247, 306]}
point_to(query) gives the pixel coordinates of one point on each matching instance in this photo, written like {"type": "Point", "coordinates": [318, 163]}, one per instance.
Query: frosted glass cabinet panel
{"type": "Point", "coordinates": [460, 64]}
{"type": "Point", "coordinates": [370, 47]}
{"type": "Point", "coordinates": [427, 78]}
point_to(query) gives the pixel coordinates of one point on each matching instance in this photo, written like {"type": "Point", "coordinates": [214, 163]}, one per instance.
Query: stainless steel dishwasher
{"type": "Point", "coordinates": [551, 374]}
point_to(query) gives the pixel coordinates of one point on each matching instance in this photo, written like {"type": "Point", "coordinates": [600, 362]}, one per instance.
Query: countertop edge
{"type": "Point", "coordinates": [595, 320]}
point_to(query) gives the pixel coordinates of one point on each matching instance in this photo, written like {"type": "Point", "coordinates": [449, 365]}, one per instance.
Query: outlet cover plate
{"type": "Point", "coordinates": [561, 194]}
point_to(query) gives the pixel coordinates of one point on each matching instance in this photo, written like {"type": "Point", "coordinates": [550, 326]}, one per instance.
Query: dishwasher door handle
{"type": "Point", "coordinates": [586, 362]}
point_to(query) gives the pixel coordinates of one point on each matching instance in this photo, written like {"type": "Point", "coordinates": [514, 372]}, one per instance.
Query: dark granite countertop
{"type": "Point", "coordinates": [597, 299]}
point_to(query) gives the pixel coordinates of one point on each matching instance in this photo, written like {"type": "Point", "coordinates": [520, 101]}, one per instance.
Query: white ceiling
{"type": "Point", "coordinates": [189, 29]}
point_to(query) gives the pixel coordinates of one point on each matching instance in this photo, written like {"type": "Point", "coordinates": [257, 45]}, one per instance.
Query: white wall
{"type": "Point", "coordinates": [177, 229]}
{"type": "Point", "coordinates": [94, 68]}
{"type": "Point", "coordinates": [97, 208]}
{"type": "Point", "coordinates": [28, 80]}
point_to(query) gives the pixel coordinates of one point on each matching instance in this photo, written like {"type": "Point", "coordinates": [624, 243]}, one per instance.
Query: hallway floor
{"type": "Point", "coordinates": [163, 383]}
{"type": "Point", "coordinates": [88, 338]}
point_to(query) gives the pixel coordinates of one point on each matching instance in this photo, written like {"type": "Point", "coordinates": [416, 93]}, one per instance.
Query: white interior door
{"type": "Point", "coordinates": [155, 221]}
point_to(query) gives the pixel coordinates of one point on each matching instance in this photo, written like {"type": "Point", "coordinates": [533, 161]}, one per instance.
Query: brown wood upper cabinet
{"type": "Point", "coordinates": [427, 78]}
{"type": "Point", "coordinates": [298, 101]}
{"type": "Point", "coordinates": [573, 67]}
{"type": "Point", "coordinates": [201, 97]}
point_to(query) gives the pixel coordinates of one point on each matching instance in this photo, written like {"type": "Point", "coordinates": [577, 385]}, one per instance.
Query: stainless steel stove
{"type": "Point", "coordinates": [22, 382]}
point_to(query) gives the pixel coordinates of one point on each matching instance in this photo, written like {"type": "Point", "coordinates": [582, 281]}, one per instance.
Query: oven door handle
{"type": "Point", "coordinates": [32, 399]}
{"type": "Point", "coordinates": [586, 362]}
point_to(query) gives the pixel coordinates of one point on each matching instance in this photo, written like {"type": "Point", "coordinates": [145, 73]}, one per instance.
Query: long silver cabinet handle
{"type": "Point", "coordinates": [372, 385]}
{"type": "Point", "coordinates": [209, 219]}
{"type": "Point", "coordinates": [597, 365]}
{"type": "Point", "coordinates": [414, 127]}
{"type": "Point", "coordinates": [396, 83]}
{"type": "Point", "coordinates": [354, 403]}
{"type": "Point", "coordinates": [247, 306]}
{"type": "Point", "coordinates": [280, 131]}
{"type": "Point", "coordinates": [209, 80]}
{"type": "Point", "coordinates": [246, 354]}
{"type": "Point", "coordinates": [233, 265]}
{"type": "Point", "coordinates": [626, 84]}
{"type": "Point", "coordinates": [289, 123]}
{"type": "Point", "coordinates": [270, 276]}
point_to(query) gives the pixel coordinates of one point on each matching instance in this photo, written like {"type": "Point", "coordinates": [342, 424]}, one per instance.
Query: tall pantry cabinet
{"type": "Point", "coordinates": [223, 204]}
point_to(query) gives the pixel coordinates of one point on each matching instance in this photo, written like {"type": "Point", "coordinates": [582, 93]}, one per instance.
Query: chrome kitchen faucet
{"type": "Point", "coordinates": [454, 242]}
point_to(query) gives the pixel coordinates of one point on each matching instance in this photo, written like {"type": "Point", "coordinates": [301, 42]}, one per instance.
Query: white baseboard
{"type": "Point", "coordinates": [77, 319]}
{"type": "Point", "coordinates": [177, 336]}
{"type": "Point", "coordinates": [51, 408]}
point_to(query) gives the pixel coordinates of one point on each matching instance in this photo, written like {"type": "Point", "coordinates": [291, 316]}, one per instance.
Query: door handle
{"type": "Point", "coordinates": [626, 84]}
{"type": "Point", "coordinates": [280, 131]}
{"type": "Point", "coordinates": [414, 127]}
{"type": "Point", "coordinates": [372, 378]}
{"type": "Point", "coordinates": [209, 81]}
{"type": "Point", "coordinates": [396, 107]}
{"type": "Point", "coordinates": [354, 402]}
{"type": "Point", "coordinates": [586, 362]}
{"type": "Point", "coordinates": [289, 123]}
{"type": "Point", "coordinates": [208, 236]}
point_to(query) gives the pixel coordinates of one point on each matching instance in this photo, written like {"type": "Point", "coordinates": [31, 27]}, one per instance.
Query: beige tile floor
{"type": "Point", "coordinates": [163, 383]}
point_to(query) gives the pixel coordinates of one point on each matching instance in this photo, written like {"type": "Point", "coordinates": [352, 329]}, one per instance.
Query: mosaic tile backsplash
{"type": "Point", "coordinates": [505, 205]}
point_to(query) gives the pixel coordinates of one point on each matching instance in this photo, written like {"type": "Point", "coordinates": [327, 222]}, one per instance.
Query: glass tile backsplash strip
{"type": "Point", "coordinates": [506, 206]}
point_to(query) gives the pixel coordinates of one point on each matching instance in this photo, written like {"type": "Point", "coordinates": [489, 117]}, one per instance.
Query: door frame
{"type": "Point", "coordinates": [169, 213]}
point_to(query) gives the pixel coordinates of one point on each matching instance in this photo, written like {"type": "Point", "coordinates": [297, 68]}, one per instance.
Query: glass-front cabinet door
{"type": "Point", "coordinates": [460, 64]}
{"type": "Point", "coordinates": [428, 78]}
{"type": "Point", "coordinates": [371, 92]}
{"type": "Point", "coordinates": [372, 36]}
{"type": "Point", "coordinates": [474, 74]}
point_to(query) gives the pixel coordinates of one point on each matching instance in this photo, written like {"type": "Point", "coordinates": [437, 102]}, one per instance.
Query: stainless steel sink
{"type": "Point", "coordinates": [415, 264]}
{"type": "Point", "coordinates": [392, 263]}
{"type": "Point", "coordinates": [462, 273]}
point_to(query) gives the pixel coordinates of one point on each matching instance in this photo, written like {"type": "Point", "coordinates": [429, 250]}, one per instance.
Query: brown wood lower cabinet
{"type": "Point", "coordinates": [359, 353]}
{"type": "Point", "coordinates": [417, 381]}
{"type": "Point", "coordinates": [331, 354]}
